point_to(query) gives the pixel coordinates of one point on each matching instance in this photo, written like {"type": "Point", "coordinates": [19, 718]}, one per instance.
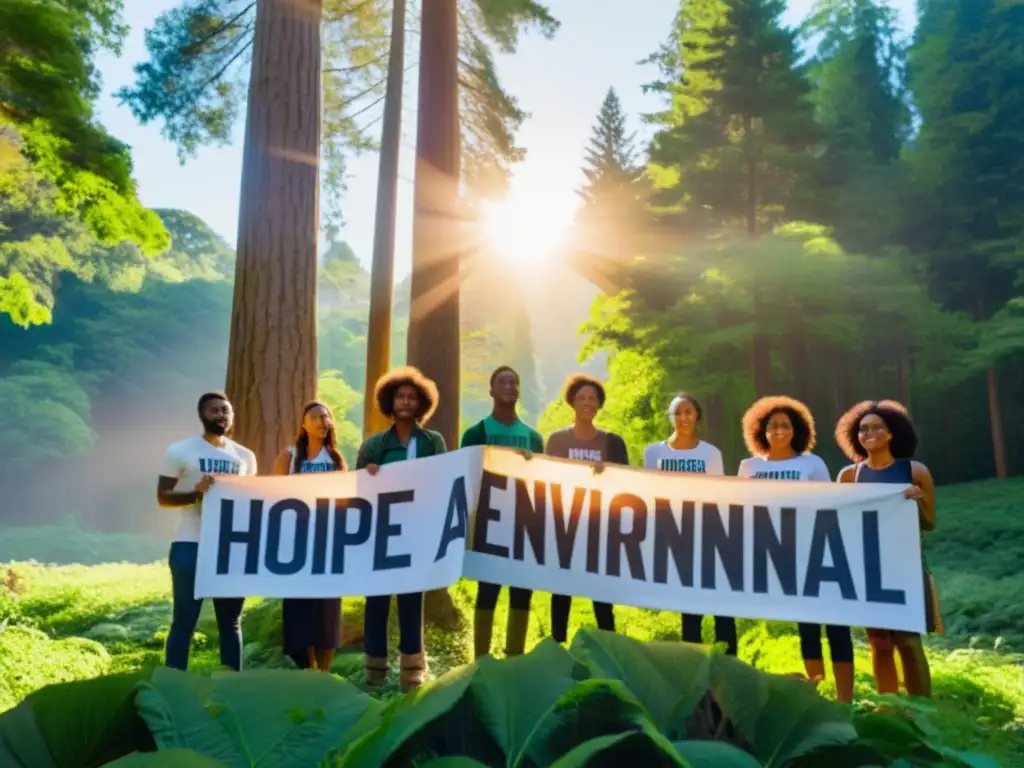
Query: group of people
{"type": "Point", "coordinates": [878, 437]}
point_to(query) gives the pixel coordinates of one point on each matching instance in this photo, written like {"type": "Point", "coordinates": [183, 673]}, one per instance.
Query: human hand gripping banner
{"type": "Point", "coordinates": [827, 553]}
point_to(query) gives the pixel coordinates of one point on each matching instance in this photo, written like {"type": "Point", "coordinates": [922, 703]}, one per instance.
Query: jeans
{"type": "Point", "coordinates": [562, 604]}
{"type": "Point", "coordinates": [487, 597]}
{"type": "Point", "coordinates": [185, 614]}
{"type": "Point", "coordinates": [725, 631]}
{"type": "Point", "coordinates": [410, 624]}
{"type": "Point", "coordinates": [840, 642]}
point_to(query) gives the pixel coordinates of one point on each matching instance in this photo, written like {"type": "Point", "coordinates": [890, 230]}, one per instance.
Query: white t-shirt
{"type": "Point", "coordinates": [322, 462]}
{"type": "Point", "coordinates": [189, 459]}
{"type": "Point", "coordinates": [805, 467]}
{"type": "Point", "coordinates": [703, 459]}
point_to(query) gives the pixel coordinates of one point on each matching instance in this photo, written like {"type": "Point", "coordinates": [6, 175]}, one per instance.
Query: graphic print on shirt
{"type": "Point", "coordinates": [509, 441]}
{"type": "Point", "coordinates": [219, 466]}
{"type": "Point", "coordinates": [698, 466]}
{"type": "Point", "coordinates": [778, 474]}
{"type": "Point", "coordinates": [585, 454]}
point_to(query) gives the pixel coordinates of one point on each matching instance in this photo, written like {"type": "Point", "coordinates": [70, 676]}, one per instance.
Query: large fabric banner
{"type": "Point", "coordinates": [818, 552]}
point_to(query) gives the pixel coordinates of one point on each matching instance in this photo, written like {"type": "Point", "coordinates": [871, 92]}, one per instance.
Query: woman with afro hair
{"type": "Point", "coordinates": [780, 435]}
{"type": "Point", "coordinates": [408, 398]}
{"type": "Point", "coordinates": [880, 438]}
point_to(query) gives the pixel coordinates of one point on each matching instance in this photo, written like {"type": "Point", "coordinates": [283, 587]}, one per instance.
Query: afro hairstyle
{"type": "Point", "coordinates": [755, 424]}
{"type": "Point", "coordinates": [903, 444]}
{"type": "Point", "coordinates": [389, 384]}
{"type": "Point", "coordinates": [577, 381]}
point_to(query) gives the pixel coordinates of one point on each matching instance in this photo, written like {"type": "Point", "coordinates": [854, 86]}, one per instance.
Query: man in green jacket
{"type": "Point", "coordinates": [409, 399]}
{"type": "Point", "coordinates": [503, 427]}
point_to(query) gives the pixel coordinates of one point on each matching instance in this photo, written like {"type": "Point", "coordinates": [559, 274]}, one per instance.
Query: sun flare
{"type": "Point", "coordinates": [524, 230]}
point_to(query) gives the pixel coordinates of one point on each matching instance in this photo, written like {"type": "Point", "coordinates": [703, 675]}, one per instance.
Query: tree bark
{"type": "Point", "coordinates": [995, 416]}
{"type": "Point", "coordinates": [761, 351]}
{"type": "Point", "coordinates": [382, 275]}
{"type": "Point", "coordinates": [433, 343]}
{"type": "Point", "coordinates": [272, 364]}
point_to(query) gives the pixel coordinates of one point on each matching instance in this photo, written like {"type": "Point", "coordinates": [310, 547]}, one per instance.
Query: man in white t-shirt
{"type": "Point", "coordinates": [187, 472]}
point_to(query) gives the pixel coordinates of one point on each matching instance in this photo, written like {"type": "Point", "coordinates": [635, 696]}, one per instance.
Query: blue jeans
{"type": "Point", "coordinates": [185, 614]}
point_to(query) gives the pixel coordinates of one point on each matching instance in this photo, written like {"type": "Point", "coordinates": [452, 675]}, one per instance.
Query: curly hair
{"type": "Point", "coordinates": [577, 381]}
{"type": "Point", "coordinates": [755, 424]}
{"type": "Point", "coordinates": [389, 384]}
{"type": "Point", "coordinates": [903, 444]}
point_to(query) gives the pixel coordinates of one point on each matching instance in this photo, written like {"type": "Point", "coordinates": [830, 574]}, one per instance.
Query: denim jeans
{"type": "Point", "coordinates": [185, 614]}
{"type": "Point", "coordinates": [410, 624]}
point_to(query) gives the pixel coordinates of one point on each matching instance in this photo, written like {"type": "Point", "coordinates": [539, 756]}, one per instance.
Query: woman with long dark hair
{"type": "Point", "coordinates": [312, 626]}
{"type": "Point", "coordinates": [779, 433]}
{"type": "Point", "coordinates": [881, 439]}
{"type": "Point", "coordinates": [409, 399]}
{"type": "Point", "coordinates": [684, 451]}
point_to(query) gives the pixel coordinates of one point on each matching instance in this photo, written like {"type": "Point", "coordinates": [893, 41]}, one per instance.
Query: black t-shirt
{"type": "Point", "coordinates": [605, 446]}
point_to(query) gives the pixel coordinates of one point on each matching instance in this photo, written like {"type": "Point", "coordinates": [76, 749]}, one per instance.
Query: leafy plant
{"type": "Point", "coordinates": [608, 700]}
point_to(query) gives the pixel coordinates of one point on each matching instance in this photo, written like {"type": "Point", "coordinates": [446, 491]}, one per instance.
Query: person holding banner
{"type": "Point", "coordinates": [685, 452]}
{"type": "Point", "coordinates": [503, 427]}
{"type": "Point", "coordinates": [409, 399]}
{"type": "Point", "coordinates": [780, 435]}
{"type": "Point", "coordinates": [312, 626]}
{"type": "Point", "coordinates": [584, 442]}
{"type": "Point", "coordinates": [186, 474]}
{"type": "Point", "coordinates": [881, 439]}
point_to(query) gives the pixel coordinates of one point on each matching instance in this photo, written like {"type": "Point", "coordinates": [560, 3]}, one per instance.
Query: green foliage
{"type": "Point", "coordinates": [661, 703]}
{"type": "Point", "coordinates": [739, 110]}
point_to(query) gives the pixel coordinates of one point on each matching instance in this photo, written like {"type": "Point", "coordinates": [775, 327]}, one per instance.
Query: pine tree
{"type": "Point", "coordinates": [613, 217]}
{"type": "Point", "coordinates": [736, 137]}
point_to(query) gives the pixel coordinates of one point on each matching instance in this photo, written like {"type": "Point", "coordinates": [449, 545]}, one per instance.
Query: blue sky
{"type": "Point", "coordinates": [561, 82]}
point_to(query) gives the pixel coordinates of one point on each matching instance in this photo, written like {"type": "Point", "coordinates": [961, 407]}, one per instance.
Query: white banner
{"type": "Point", "coordinates": [826, 553]}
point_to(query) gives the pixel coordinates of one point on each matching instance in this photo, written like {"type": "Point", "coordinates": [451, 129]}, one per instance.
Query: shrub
{"type": "Point", "coordinates": [608, 700]}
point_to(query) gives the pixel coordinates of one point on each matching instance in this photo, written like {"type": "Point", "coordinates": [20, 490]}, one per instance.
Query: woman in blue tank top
{"type": "Point", "coordinates": [880, 438]}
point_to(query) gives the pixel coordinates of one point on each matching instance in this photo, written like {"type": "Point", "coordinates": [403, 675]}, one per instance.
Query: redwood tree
{"type": "Point", "coordinates": [272, 366]}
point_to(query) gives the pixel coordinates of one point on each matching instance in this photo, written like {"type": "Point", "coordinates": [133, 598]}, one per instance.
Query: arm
{"type": "Point", "coordinates": [171, 470]}
{"type": "Point", "coordinates": [926, 504]}
{"type": "Point", "coordinates": [472, 436]}
{"type": "Point", "coordinates": [716, 466]}
{"type": "Point", "coordinates": [361, 461]}
{"type": "Point", "coordinates": [440, 446]}
{"type": "Point", "coordinates": [743, 470]}
{"type": "Point", "coordinates": [282, 464]}
{"type": "Point", "coordinates": [820, 472]}
{"type": "Point", "coordinates": [536, 442]}
{"type": "Point", "coordinates": [847, 474]}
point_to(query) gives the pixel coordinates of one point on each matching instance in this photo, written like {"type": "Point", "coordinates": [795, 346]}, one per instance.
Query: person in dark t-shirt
{"type": "Point", "coordinates": [584, 442]}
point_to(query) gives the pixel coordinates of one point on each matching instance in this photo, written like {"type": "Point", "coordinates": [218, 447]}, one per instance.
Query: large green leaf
{"type": "Point", "coordinates": [589, 710]}
{"type": "Point", "coordinates": [455, 761]}
{"type": "Point", "coordinates": [780, 717]}
{"type": "Point", "coordinates": [644, 747]}
{"type": "Point", "coordinates": [21, 742]}
{"type": "Point", "coordinates": [668, 678]}
{"type": "Point", "coordinates": [405, 718]}
{"type": "Point", "coordinates": [167, 758]}
{"type": "Point", "coordinates": [511, 696]}
{"type": "Point", "coordinates": [265, 718]}
{"type": "Point", "coordinates": [88, 723]}
{"type": "Point", "coordinates": [714, 754]}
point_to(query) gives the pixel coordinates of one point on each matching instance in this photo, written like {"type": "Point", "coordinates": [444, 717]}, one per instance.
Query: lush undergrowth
{"type": "Point", "coordinates": [67, 622]}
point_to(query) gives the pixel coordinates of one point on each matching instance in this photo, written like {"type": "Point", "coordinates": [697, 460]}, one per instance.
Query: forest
{"type": "Point", "coordinates": [830, 211]}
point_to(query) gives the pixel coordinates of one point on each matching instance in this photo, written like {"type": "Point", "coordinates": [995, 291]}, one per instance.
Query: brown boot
{"type": "Point", "coordinates": [843, 671]}
{"type": "Point", "coordinates": [413, 672]}
{"type": "Point", "coordinates": [483, 630]}
{"type": "Point", "coordinates": [515, 634]}
{"type": "Point", "coordinates": [376, 670]}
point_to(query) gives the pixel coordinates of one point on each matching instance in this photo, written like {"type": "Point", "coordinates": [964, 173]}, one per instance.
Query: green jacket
{"type": "Point", "coordinates": [477, 435]}
{"type": "Point", "coordinates": [385, 448]}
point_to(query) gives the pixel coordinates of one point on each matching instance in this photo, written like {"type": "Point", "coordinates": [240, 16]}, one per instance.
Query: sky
{"type": "Point", "coordinates": [560, 82]}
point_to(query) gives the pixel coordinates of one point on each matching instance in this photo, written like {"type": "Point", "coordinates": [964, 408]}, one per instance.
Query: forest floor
{"type": "Point", "coordinates": [66, 622]}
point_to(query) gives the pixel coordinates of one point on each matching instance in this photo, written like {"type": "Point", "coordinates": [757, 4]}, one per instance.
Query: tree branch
{"type": "Point", "coordinates": [196, 44]}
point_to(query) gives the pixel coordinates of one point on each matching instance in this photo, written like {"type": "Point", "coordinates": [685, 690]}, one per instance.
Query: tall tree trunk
{"type": "Point", "coordinates": [272, 366]}
{"type": "Point", "coordinates": [996, 418]}
{"type": "Point", "coordinates": [433, 343]}
{"type": "Point", "coordinates": [761, 351]}
{"type": "Point", "coordinates": [382, 275]}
